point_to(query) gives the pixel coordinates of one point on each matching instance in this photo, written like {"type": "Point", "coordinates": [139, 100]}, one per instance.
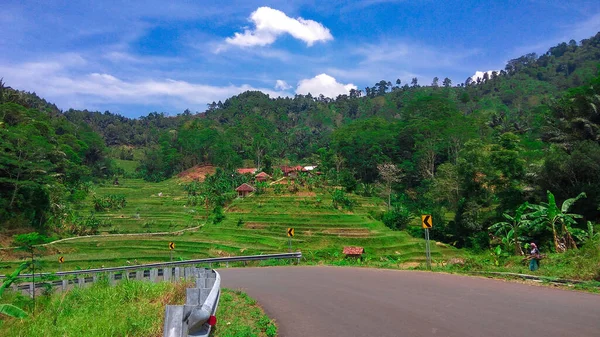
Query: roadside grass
{"type": "Point", "coordinates": [253, 225]}
{"type": "Point", "coordinates": [130, 308]}
{"type": "Point", "coordinates": [240, 316]}
{"type": "Point", "coordinates": [582, 265]}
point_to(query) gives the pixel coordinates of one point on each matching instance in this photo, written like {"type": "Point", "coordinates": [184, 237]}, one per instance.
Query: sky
{"type": "Point", "coordinates": [137, 57]}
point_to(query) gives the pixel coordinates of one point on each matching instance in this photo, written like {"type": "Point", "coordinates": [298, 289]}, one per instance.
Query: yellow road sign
{"type": "Point", "coordinates": [426, 221]}
{"type": "Point", "coordinates": [61, 259]}
{"type": "Point", "coordinates": [290, 232]}
{"type": "Point", "coordinates": [171, 245]}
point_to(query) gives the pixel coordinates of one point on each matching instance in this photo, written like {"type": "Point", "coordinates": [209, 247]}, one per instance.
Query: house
{"type": "Point", "coordinates": [244, 189]}
{"type": "Point", "coordinates": [291, 171]}
{"type": "Point", "coordinates": [262, 177]}
{"type": "Point", "coordinates": [250, 170]}
{"type": "Point", "coordinates": [353, 251]}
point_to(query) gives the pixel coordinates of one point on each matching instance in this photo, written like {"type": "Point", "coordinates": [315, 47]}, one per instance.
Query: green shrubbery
{"type": "Point", "coordinates": [109, 202]}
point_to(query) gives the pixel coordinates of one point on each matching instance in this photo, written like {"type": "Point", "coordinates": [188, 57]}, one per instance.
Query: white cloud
{"type": "Point", "coordinates": [323, 84]}
{"type": "Point", "coordinates": [57, 82]}
{"type": "Point", "coordinates": [479, 74]}
{"type": "Point", "coordinates": [282, 85]}
{"type": "Point", "coordinates": [270, 23]}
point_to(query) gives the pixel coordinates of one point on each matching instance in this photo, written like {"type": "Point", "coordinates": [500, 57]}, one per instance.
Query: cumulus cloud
{"type": "Point", "coordinates": [270, 23]}
{"type": "Point", "coordinates": [479, 74]}
{"type": "Point", "coordinates": [58, 83]}
{"type": "Point", "coordinates": [282, 85]}
{"type": "Point", "coordinates": [323, 84]}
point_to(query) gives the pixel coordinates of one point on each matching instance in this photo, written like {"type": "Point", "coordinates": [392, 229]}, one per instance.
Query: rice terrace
{"type": "Point", "coordinates": [260, 169]}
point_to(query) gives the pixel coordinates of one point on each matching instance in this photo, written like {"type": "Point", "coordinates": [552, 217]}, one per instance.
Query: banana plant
{"type": "Point", "coordinates": [549, 214]}
{"type": "Point", "coordinates": [509, 230]}
{"type": "Point", "coordinates": [9, 309]}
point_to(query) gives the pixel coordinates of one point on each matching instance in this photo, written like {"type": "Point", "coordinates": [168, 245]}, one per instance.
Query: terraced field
{"type": "Point", "coordinates": [253, 225]}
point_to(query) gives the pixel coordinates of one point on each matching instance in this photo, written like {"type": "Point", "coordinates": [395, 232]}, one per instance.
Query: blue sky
{"type": "Point", "coordinates": [167, 56]}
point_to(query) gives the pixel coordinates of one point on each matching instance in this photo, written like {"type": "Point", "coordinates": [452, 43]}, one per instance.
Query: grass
{"type": "Point", "coordinates": [253, 225]}
{"type": "Point", "coordinates": [240, 316]}
{"type": "Point", "coordinates": [131, 308]}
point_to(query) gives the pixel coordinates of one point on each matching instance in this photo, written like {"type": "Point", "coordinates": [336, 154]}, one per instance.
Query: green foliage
{"type": "Point", "coordinates": [141, 311]}
{"type": "Point", "coordinates": [7, 309]}
{"type": "Point", "coordinates": [109, 202]}
{"type": "Point", "coordinates": [398, 218]}
{"type": "Point", "coordinates": [340, 199]}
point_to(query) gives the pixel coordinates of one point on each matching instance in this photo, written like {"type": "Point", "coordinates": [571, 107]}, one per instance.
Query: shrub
{"type": "Point", "coordinates": [108, 202]}
{"type": "Point", "coordinates": [397, 218]}
{"type": "Point", "coordinates": [339, 198]}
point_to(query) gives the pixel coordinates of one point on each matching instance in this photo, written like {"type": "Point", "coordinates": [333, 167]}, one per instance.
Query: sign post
{"type": "Point", "coordinates": [171, 248]}
{"type": "Point", "coordinates": [60, 262]}
{"type": "Point", "coordinates": [290, 234]}
{"type": "Point", "coordinates": [426, 223]}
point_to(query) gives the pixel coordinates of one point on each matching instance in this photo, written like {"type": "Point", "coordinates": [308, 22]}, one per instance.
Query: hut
{"type": "Point", "coordinates": [262, 177]}
{"type": "Point", "coordinates": [244, 189]}
{"type": "Point", "coordinates": [291, 171]}
{"type": "Point", "coordinates": [355, 252]}
{"type": "Point", "coordinates": [250, 170]}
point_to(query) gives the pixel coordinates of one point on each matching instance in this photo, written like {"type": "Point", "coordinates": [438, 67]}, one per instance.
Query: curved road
{"type": "Point", "coordinates": [331, 302]}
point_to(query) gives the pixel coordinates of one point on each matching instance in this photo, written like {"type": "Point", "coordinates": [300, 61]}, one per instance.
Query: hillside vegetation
{"type": "Point", "coordinates": [499, 162]}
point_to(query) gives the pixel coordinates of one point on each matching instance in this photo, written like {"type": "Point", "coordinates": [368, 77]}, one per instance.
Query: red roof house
{"type": "Point", "coordinates": [250, 170]}
{"type": "Point", "coordinates": [244, 189]}
{"type": "Point", "coordinates": [291, 170]}
{"type": "Point", "coordinates": [262, 177]}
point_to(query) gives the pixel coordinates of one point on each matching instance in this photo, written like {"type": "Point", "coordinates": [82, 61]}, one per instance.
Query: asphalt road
{"type": "Point", "coordinates": [330, 302]}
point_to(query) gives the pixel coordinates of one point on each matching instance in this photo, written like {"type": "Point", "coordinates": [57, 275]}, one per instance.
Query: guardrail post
{"type": "Point", "coordinates": [111, 278]}
{"type": "Point", "coordinates": [139, 274]}
{"type": "Point", "coordinates": [31, 289]}
{"type": "Point", "coordinates": [65, 284]}
{"type": "Point", "coordinates": [167, 273]}
{"type": "Point", "coordinates": [80, 281]}
{"type": "Point", "coordinates": [153, 274]}
{"type": "Point", "coordinates": [177, 274]}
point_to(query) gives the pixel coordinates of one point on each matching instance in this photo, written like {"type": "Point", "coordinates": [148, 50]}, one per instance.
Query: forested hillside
{"type": "Point", "coordinates": [466, 153]}
{"type": "Point", "coordinates": [45, 163]}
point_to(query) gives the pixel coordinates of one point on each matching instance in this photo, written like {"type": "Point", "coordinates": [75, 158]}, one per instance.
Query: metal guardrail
{"type": "Point", "coordinates": [296, 255]}
{"type": "Point", "coordinates": [197, 316]}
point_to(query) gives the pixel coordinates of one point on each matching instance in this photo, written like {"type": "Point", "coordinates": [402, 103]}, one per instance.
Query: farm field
{"type": "Point", "coordinates": [253, 225]}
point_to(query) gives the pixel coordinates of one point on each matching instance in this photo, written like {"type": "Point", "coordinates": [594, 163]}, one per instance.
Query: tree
{"type": "Point", "coordinates": [435, 82]}
{"type": "Point", "coordinates": [29, 242]}
{"type": "Point", "coordinates": [390, 174]}
{"type": "Point", "coordinates": [414, 82]}
{"type": "Point", "coordinates": [510, 230]}
{"type": "Point", "coordinates": [447, 82]}
{"type": "Point", "coordinates": [550, 215]}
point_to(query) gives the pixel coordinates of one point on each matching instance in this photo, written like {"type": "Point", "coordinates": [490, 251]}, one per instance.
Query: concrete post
{"type": "Point", "coordinates": [65, 285]}
{"type": "Point", "coordinates": [167, 273]}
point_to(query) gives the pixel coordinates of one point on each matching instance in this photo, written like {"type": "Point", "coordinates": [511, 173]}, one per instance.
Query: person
{"type": "Point", "coordinates": [534, 256]}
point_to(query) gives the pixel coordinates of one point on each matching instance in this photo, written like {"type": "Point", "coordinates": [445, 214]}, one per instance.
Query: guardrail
{"type": "Point", "coordinates": [154, 272]}
{"type": "Point", "coordinates": [197, 316]}
{"type": "Point", "coordinates": [296, 255]}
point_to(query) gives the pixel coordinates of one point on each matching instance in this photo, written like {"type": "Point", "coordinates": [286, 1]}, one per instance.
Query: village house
{"type": "Point", "coordinates": [262, 177]}
{"type": "Point", "coordinates": [244, 189]}
{"type": "Point", "coordinates": [250, 170]}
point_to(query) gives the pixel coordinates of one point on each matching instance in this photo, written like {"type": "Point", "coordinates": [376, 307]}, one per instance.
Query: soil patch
{"type": "Point", "coordinates": [348, 232]}
{"type": "Point", "coordinates": [198, 172]}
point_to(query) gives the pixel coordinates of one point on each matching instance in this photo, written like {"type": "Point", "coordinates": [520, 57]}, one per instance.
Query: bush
{"type": "Point", "coordinates": [339, 198]}
{"type": "Point", "coordinates": [217, 215]}
{"type": "Point", "coordinates": [108, 202]}
{"type": "Point", "coordinates": [397, 219]}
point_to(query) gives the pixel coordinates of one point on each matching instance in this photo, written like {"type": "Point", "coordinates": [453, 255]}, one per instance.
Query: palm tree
{"type": "Point", "coordinates": [549, 214]}
{"type": "Point", "coordinates": [510, 229]}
